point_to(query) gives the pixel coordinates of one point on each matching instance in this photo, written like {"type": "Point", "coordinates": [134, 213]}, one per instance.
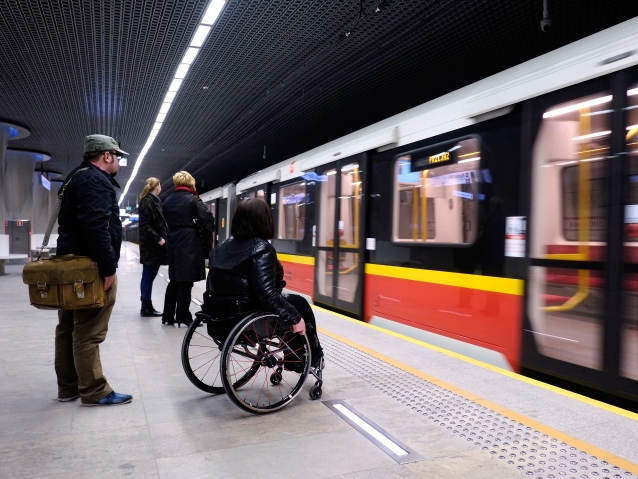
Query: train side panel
{"type": "Point", "coordinates": [483, 311]}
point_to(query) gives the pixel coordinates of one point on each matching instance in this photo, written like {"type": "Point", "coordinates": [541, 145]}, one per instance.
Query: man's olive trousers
{"type": "Point", "coordinates": [77, 351]}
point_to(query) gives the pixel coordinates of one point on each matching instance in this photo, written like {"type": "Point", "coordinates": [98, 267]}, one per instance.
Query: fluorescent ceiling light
{"type": "Point", "coordinates": [200, 36]}
{"type": "Point", "coordinates": [182, 70]}
{"type": "Point", "coordinates": [594, 159]}
{"type": "Point", "coordinates": [160, 117]}
{"type": "Point", "coordinates": [454, 148]}
{"type": "Point", "coordinates": [333, 172]}
{"type": "Point", "coordinates": [632, 127]}
{"type": "Point", "coordinates": [395, 448]}
{"type": "Point", "coordinates": [165, 107]}
{"type": "Point", "coordinates": [467, 160]}
{"type": "Point", "coordinates": [349, 167]}
{"type": "Point", "coordinates": [212, 12]}
{"type": "Point", "coordinates": [632, 92]}
{"type": "Point", "coordinates": [578, 106]}
{"type": "Point", "coordinates": [189, 56]}
{"type": "Point", "coordinates": [592, 135]}
{"type": "Point", "coordinates": [175, 84]}
{"type": "Point", "coordinates": [170, 96]}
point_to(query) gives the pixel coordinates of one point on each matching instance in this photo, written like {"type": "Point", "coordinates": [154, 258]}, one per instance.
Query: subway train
{"type": "Point", "coordinates": [499, 221]}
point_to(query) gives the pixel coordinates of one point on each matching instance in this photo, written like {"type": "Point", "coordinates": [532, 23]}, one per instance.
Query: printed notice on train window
{"type": "Point", "coordinates": [515, 235]}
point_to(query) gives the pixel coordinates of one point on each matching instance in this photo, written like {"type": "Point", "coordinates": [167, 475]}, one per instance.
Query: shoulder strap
{"type": "Point", "coordinates": [56, 212]}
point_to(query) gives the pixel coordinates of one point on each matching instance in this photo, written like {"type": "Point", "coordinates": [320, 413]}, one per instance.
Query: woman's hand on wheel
{"type": "Point", "coordinates": [300, 327]}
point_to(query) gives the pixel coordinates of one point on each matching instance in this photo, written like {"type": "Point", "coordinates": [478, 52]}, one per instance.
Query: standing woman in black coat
{"type": "Point", "coordinates": [153, 250]}
{"type": "Point", "coordinates": [186, 255]}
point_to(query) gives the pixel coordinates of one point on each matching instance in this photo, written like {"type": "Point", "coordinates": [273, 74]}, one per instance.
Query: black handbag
{"type": "Point", "coordinates": [205, 236]}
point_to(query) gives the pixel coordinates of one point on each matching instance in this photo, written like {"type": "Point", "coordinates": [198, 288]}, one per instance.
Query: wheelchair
{"type": "Point", "coordinates": [254, 358]}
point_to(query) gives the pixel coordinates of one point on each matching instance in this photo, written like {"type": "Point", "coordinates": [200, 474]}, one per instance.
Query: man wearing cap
{"type": "Point", "coordinates": [89, 225]}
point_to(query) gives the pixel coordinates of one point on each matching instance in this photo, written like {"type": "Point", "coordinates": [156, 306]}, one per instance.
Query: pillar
{"type": "Point", "coordinates": [8, 131]}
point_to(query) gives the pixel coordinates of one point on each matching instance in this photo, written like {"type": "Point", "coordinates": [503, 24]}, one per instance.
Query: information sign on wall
{"type": "Point", "coordinates": [515, 236]}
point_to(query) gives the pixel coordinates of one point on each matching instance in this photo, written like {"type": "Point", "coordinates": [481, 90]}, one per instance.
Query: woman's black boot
{"type": "Point", "coordinates": [148, 310]}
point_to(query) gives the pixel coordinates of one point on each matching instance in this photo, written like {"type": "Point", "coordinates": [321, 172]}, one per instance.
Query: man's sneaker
{"type": "Point", "coordinates": [67, 399]}
{"type": "Point", "coordinates": [113, 399]}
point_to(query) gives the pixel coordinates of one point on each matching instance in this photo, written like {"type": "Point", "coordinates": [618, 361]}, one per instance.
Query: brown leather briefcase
{"type": "Point", "coordinates": [64, 282]}
{"type": "Point", "coordinates": [67, 281]}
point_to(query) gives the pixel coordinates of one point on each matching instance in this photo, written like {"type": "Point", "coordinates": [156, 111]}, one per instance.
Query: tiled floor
{"type": "Point", "coordinates": [173, 430]}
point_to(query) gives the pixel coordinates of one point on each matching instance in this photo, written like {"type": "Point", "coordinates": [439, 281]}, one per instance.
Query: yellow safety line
{"type": "Point", "coordinates": [578, 397]}
{"type": "Point", "coordinates": [472, 281]}
{"type": "Point", "coordinates": [293, 258]}
{"type": "Point", "coordinates": [540, 427]}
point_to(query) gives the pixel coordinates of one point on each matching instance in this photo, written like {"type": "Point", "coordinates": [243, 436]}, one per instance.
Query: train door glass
{"type": "Point", "coordinates": [222, 221]}
{"type": "Point", "coordinates": [338, 252]}
{"type": "Point", "coordinates": [569, 230]}
{"type": "Point", "coordinates": [629, 326]}
{"type": "Point", "coordinates": [212, 207]}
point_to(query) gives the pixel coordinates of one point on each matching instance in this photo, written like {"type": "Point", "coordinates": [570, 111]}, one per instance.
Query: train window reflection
{"type": "Point", "coordinates": [436, 194]}
{"type": "Point", "coordinates": [292, 211]}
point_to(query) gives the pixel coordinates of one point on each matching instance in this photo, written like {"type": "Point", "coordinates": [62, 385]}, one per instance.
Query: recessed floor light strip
{"type": "Point", "coordinates": [377, 435]}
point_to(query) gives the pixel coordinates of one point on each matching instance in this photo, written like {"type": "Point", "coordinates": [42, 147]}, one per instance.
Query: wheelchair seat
{"type": "Point", "coordinates": [254, 357]}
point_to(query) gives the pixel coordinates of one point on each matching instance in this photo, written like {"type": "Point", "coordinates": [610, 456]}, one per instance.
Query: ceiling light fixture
{"type": "Point", "coordinates": [203, 29]}
{"type": "Point", "coordinates": [467, 160]}
{"type": "Point", "coordinates": [578, 106]}
{"type": "Point", "coordinates": [597, 134]}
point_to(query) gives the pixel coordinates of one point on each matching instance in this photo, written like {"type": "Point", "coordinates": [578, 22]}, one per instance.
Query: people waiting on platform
{"type": "Point", "coordinates": [152, 242]}
{"type": "Point", "coordinates": [186, 217]}
{"type": "Point", "coordinates": [246, 267]}
{"type": "Point", "coordinates": [89, 225]}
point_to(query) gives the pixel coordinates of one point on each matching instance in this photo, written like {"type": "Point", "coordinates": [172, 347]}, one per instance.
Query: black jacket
{"type": "Point", "coordinates": [250, 271]}
{"type": "Point", "coordinates": [185, 253]}
{"type": "Point", "coordinates": [152, 230]}
{"type": "Point", "coordinates": [89, 219]}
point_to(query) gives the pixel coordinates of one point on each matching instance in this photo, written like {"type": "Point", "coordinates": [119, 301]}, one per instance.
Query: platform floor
{"type": "Point", "coordinates": [464, 419]}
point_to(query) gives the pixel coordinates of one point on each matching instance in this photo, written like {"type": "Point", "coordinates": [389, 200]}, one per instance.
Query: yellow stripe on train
{"type": "Point", "coordinates": [293, 258]}
{"type": "Point", "coordinates": [471, 281]}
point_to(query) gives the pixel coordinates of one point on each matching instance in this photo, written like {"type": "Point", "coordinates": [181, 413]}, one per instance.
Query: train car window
{"type": "Point", "coordinates": [436, 194]}
{"type": "Point", "coordinates": [629, 332]}
{"type": "Point", "coordinates": [569, 223]}
{"type": "Point", "coordinates": [292, 211]}
{"type": "Point", "coordinates": [597, 214]}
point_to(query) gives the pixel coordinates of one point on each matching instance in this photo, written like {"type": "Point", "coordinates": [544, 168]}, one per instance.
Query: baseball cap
{"type": "Point", "coordinates": [101, 143]}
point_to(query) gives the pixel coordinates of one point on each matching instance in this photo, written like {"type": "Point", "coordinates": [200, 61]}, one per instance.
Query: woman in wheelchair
{"type": "Point", "coordinates": [245, 267]}
{"type": "Point", "coordinates": [261, 337]}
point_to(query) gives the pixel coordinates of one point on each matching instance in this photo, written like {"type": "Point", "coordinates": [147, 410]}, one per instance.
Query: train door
{"type": "Point", "coordinates": [581, 294]}
{"type": "Point", "coordinates": [339, 251]}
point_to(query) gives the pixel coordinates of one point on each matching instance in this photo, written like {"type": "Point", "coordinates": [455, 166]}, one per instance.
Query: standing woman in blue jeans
{"type": "Point", "coordinates": [153, 250]}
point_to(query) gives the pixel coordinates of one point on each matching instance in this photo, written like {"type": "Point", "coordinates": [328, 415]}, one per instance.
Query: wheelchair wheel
{"type": "Point", "coordinates": [201, 357]}
{"type": "Point", "coordinates": [283, 358]}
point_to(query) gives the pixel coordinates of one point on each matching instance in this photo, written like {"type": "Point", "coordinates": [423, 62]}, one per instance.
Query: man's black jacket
{"type": "Point", "coordinates": [89, 219]}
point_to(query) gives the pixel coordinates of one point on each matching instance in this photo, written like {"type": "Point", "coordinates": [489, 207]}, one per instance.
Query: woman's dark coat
{"type": "Point", "coordinates": [185, 253]}
{"type": "Point", "coordinates": [250, 271]}
{"type": "Point", "coordinates": [152, 230]}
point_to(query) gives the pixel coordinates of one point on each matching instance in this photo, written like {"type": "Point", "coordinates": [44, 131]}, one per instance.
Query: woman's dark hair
{"type": "Point", "coordinates": [252, 219]}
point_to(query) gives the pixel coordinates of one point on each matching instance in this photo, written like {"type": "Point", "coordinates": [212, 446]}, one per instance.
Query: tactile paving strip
{"type": "Point", "coordinates": [531, 452]}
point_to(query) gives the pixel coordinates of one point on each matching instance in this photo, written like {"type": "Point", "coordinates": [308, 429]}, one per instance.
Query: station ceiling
{"type": "Point", "coordinates": [287, 74]}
